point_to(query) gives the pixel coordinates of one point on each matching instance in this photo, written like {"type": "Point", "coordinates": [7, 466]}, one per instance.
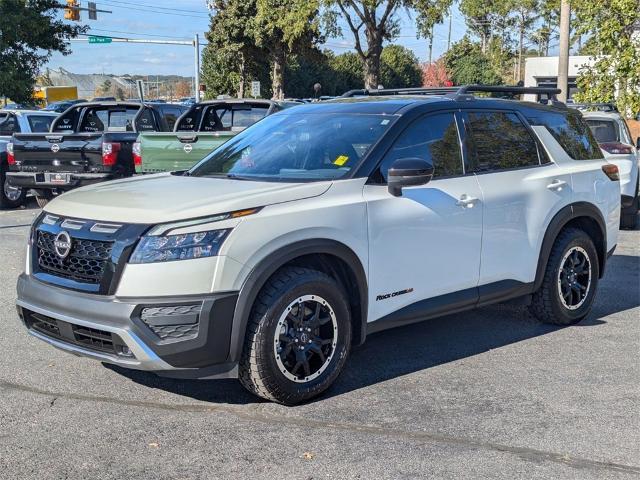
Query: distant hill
{"type": "Point", "coordinates": [94, 84]}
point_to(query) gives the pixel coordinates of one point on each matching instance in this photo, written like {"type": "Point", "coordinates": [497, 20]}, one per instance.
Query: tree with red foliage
{"type": "Point", "coordinates": [435, 74]}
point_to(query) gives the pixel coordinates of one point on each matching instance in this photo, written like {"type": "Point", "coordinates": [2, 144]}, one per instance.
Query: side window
{"type": "Point", "coordinates": [40, 123]}
{"type": "Point", "coordinates": [171, 115]}
{"type": "Point", "coordinates": [501, 142]}
{"type": "Point", "coordinates": [434, 138]}
{"type": "Point", "coordinates": [571, 132]}
{"type": "Point", "coordinates": [9, 125]}
{"type": "Point", "coordinates": [216, 120]}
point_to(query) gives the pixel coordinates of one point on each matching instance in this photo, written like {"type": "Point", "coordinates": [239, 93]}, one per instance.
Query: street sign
{"type": "Point", "coordinates": [93, 39]}
{"type": "Point", "coordinates": [255, 89]}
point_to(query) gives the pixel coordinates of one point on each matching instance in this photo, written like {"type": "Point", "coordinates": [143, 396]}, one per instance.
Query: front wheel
{"type": "Point", "coordinates": [629, 215]}
{"type": "Point", "coordinates": [570, 280]}
{"type": "Point", "coordinates": [10, 197]}
{"type": "Point", "coordinates": [298, 337]}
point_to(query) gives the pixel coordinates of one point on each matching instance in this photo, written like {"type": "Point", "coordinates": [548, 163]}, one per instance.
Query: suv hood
{"type": "Point", "coordinates": [167, 198]}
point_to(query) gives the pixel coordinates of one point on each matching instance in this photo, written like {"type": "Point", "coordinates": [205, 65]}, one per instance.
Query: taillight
{"type": "Point", "coordinates": [617, 148]}
{"type": "Point", "coordinates": [137, 154]}
{"type": "Point", "coordinates": [110, 153]}
{"type": "Point", "coordinates": [612, 172]}
{"type": "Point", "coordinates": [11, 159]}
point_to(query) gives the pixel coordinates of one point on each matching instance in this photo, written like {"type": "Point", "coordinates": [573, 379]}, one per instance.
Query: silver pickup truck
{"type": "Point", "coordinates": [18, 121]}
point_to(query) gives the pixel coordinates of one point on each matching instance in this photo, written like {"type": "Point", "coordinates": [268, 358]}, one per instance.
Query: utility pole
{"type": "Point", "coordinates": [196, 44]}
{"type": "Point", "coordinates": [431, 45]}
{"type": "Point", "coordinates": [449, 36]}
{"type": "Point", "coordinates": [563, 60]}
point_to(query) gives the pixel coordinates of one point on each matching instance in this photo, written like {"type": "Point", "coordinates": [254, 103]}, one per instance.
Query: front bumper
{"type": "Point", "coordinates": [38, 180]}
{"type": "Point", "coordinates": [186, 337]}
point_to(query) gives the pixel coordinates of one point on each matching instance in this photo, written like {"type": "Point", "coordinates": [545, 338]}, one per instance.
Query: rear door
{"type": "Point", "coordinates": [426, 243]}
{"type": "Point", "coordinates": [522, 191]}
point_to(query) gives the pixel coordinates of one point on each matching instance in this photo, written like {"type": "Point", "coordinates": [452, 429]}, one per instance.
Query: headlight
{"type": "Point", "coordinates": [169, 248]}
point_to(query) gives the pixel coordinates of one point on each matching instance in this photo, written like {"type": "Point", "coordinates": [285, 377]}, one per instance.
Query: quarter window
{"type": "Point", "coordinates": [434, 138]}
{"type": "Point", "coordinates": [501, 142]}
{"type": "Point", "coordinates": [571, 132]}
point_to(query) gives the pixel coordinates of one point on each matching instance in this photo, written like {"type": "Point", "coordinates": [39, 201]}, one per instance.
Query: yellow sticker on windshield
{"type": "Point", "coordinates": [341, 160]}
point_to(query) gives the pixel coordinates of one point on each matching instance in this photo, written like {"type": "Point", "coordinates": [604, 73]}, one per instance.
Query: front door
{"type": "Point", "coordinates": [425, 243]}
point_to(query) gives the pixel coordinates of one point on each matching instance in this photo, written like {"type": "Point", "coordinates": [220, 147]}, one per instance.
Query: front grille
{"type": "Point", "coordinates": [89, 338]}
{"type": "Point", "coordinates": [86, 262]}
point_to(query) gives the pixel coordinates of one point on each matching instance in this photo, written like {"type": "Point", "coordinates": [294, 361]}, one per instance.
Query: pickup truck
{"type": "Point", "coordinates": [14, 121]}
{"type": "Point", "coordinates": [203, 128]}
{"type": "Point", "coordinates": [88, 143]}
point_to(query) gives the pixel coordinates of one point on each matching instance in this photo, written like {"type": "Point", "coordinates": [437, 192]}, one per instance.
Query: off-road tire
{"type": "Point", "coordinates": [5, 202]}
{"type": "Point", "coordinates": [258, 369]}
{"type": "Point", "coordinates": [546, 304]}
{"type": "Point", "coordinates": [629, 215]}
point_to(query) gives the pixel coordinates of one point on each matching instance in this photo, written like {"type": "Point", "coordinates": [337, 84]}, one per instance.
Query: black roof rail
{"type": "Point", "coordinates": [463, 92]}
{"type": "Point", "coordinates": [363, 92]}
{"type": "Point", "coordinates": [596, 106]}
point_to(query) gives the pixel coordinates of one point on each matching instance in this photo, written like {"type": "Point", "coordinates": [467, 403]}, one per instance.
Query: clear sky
{"type": "Point", "coordinates": [181, 20]}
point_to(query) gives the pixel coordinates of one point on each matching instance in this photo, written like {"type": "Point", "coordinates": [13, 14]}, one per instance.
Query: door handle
{"type": "Point", "coordinates": [466, 201]}
{"type": "Point", "coordinates": [557, 185]}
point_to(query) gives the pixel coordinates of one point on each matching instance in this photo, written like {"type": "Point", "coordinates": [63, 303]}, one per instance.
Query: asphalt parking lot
{"type": "Point", "coordinates": [485, 394]}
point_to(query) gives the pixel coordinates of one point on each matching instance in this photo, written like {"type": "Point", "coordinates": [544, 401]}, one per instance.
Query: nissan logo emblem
{"type": "Point", "coordinates": [55, 148]}
{"type": "Point", "coordinates": [62, 245]}
{"type": "Point", "coordinates": [187, 148]}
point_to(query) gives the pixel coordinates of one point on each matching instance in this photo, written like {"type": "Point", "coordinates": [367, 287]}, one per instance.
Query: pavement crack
{"type": "Point", "coordinates": [267, 418]}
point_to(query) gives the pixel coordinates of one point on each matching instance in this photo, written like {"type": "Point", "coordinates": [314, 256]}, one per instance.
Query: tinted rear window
{"type": "Point", "coordinates": [501, 142]}
{"type": "Point", "coordinates": [102, 119]}
{"type": "Point", "coordinates": [40, 123]}
{"type": "Point", "coordinates": [571, 132]}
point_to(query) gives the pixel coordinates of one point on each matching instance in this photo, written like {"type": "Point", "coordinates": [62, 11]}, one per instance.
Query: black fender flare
{"type": "Point", "coordinates": [274, 261]}
{"type": "Point", "coordinates": [558, 222]}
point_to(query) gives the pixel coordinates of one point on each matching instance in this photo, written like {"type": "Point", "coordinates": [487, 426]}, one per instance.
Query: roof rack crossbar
{"type": "Point", "coordinates": [461, 92]}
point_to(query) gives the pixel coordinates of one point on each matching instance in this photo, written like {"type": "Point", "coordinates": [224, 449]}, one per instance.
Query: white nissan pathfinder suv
{"type": "Point", "coordinates": [319, 225]}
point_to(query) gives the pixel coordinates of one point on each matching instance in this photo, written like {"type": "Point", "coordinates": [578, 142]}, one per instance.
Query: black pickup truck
{"type": "Point", "coordinates": [88, 143]}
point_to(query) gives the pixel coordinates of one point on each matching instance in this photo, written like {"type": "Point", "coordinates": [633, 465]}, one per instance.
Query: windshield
{"type": "Point", "coordinates": [296, 147]}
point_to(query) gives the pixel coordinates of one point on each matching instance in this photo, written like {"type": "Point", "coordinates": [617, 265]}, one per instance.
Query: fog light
{"type": "Point", "coordinates": [124, 351]}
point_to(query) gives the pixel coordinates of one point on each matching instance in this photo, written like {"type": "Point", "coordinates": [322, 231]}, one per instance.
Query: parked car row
{"type": "Point", "coordinates": [98, 141]}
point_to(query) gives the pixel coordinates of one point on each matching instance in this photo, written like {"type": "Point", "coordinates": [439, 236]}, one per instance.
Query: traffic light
{"type": "Point", "coordinates": [93, 11]}
{"type": "Point", "coordinates": [72, 11]}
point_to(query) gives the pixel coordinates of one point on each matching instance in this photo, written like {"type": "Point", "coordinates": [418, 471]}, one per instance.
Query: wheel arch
{"type": "Point", "coordinates": [329, 256]}
{"type": "Point", "coordinates": [583, 215]}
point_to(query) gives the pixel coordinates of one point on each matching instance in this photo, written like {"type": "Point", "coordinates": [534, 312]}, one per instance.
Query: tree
{"type": "Point", "coordinates": [29, 33]}
{"type": "Point", "coordinates": [377, 21]}
{"type": "Point", "coordinates": [466, 64]}
{"type": "Point", "coordinates": [399, 68]}
{"type": "Point", "coordinates": [484, 17]}
{"type": "Point", "coordinates": [347, 69]}
{"type": "Point", "coordinates": [231, 58]}
{"type": "Point", "coordinates": [525, 16]}
{"type": "Point", "coordinates": [615, 39]}
{"type": "Point", "coordinates": [183, 89]}
{"type": "Point", "coordinates": [283, 27]}
{"type": "Point", "coordinates": [435, 74]}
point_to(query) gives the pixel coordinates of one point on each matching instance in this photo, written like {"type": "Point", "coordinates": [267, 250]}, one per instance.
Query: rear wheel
{"type": "Point", "coordinates": [298, 337]}
{"type": "Point", "coordinates": [10, 197]}
{"type": "Point", "coordinates": [570, 281]}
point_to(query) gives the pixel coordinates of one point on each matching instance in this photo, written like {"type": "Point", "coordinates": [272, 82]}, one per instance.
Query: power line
{"type": "Point", "coordinates": [156, 7]}
{"type": "Point", "coordinates": [148, 10]}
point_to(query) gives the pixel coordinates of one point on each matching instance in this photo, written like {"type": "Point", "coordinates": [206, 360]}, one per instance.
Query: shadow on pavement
{"type": "Point", "coordinates": [408, 349]}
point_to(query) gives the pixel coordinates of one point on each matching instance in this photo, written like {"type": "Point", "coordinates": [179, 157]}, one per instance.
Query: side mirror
{"type": "Point", "coordinates": [408, 172]}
